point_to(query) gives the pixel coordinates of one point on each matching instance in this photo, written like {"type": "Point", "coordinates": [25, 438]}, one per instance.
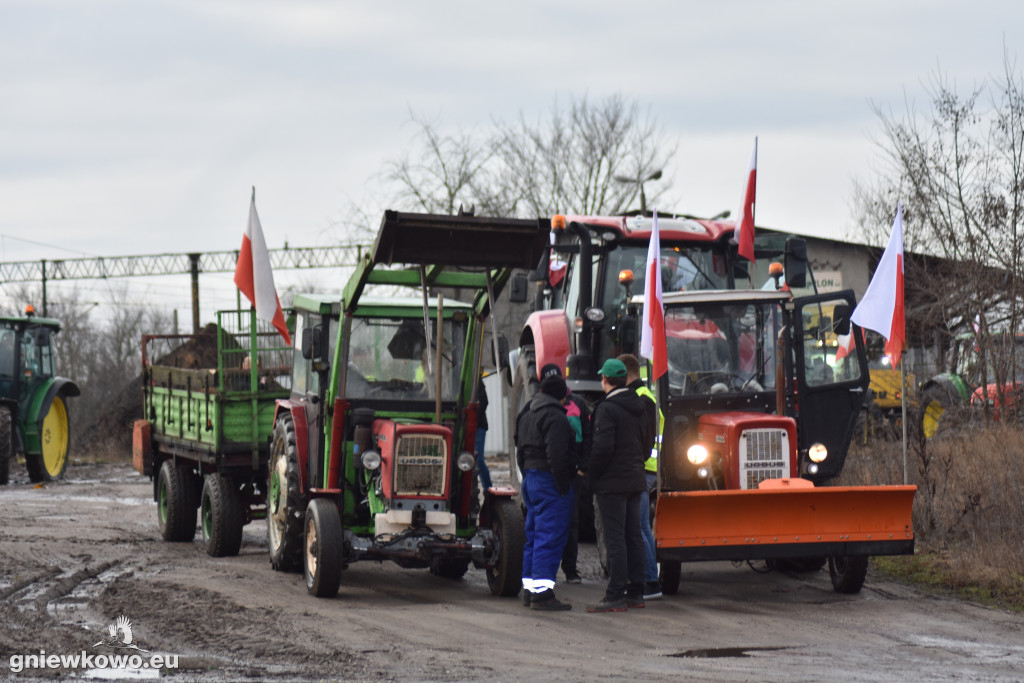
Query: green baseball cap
{"type": "Point", "coordinates": [613, 367]}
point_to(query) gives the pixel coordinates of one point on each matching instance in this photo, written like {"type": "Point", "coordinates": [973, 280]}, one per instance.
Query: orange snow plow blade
{"type": "Point", "coordinates": [785, 518]}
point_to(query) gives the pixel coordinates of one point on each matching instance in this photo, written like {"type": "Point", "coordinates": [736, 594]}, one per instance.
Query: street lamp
{"type": "Point", "coordinates": [639, 182]}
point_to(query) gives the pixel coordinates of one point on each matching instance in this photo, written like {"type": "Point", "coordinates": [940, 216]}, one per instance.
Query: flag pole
{"type": "Point", "coordinates": [903, 402]}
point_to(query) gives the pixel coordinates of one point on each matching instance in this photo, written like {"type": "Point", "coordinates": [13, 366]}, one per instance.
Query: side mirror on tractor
{"type": "Point", "coordinates": [841, 319]}
{"type": "Point", "coordinates": [796, 262]}
{"type": "Point", "coordinates": [311, 344]}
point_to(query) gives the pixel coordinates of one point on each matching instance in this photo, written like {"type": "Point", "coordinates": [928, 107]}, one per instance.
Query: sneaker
{"type": "Point", "coordinates": [606, 605]}
{"type": "Point", "coordinates": [635, 603]}
{"type": "Point", "coordinates": [573, 577]}
{"type": "Point", "coordinates": [652, 590]}
{"type": "Point", "coordinates": [547, 602]}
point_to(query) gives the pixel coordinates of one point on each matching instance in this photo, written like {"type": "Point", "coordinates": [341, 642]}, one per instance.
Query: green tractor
{"type": "Point", "coordinates": [33, 400]}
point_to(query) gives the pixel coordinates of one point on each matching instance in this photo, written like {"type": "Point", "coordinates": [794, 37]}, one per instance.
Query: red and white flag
{"type": "Point", "coordinates": [652, 338]}
{"type": "Point", "coordinates": [847, 342]}
{"type": "Point", "coordinates": [253, 275]}
{"type": "Point", "coordinates": [881, 309]}
{"type": "Point", "coordinates": [744, 231]}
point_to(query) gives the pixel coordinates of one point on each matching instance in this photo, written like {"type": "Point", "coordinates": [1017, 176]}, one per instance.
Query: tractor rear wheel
{"type": "Point", "coordinates": [285, 505]}
{"type": "Point", "coordinates": [847, 572]}
{"type": "Point", "coordinates": [506, 519]}
{"type": "Point", "coordinates": [54, 436]}
{"type": "Point", "coordinates": [175, 503]}
{"type": "Point", "coordinates": [525, 386]}
{"type": "Point", "coordinates": [6, 444]}
{"type": "Point", "coordinates": [221, 510]}
{"type": "Point", "coordinates": [941, 411]}
{"type": "Point", "coordinates": [323, 544]}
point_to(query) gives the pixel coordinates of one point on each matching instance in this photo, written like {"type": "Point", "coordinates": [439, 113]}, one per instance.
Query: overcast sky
{"type": "Point", "coordinates": [139, 127]}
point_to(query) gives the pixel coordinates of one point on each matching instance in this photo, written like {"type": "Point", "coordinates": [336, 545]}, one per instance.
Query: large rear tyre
{"type": "Point", "coordinates": [285, 503]}
{"type": "Point", "coordinates": [671, 573]}
{"type": "Point", "coordinates": [525, 386]}
{"type": "Point", "coordinates": [941, 411]}
{"type": "Point", "coordinates": [6, 445]}
{"type": "Point", "coordinates": [175, 503]}
{"type": "Point", "coordinates": [221, 508]}
{"type": "Point", "coordinates": [506, 519]}
{"type": "Point", "coordinates": [450, 568]}
{"type": "Point", "coordinates": [323, 548]}
{"type": "Point", "coordinates": [54, 436]}
{"type": "Point", "coordinates": [847, 572]}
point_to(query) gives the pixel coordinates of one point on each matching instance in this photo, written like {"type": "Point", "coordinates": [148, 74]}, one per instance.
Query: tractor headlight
{"type": "Point", "coordinates": [466, 461]}
{"type": "Point", "coordinates": [594, 315]}
{"type": "Point", "coordinates": [370, 460]}
{"type": "Point", "coordinates": [697, 454]}
{"type": "Point", "coordinates": [817, 452]}
{"type": "Point", "coordinates": [703, 473]}
{"type": "Point", "coordinates": [812, 468]}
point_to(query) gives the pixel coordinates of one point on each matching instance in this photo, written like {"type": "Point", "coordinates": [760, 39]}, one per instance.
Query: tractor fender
{"type": "Point", "coordinates": [41, 402]}
{"type": "Point", "coordinates": [953, 384]}
{"type": "Point", "coordinates": [548, 332]}
{"type": "Point", "coordinates": [298, 413]}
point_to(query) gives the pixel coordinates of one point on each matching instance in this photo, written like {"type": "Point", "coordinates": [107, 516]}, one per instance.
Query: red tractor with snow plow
{"type": "Point", "coordinates": [759, 413]}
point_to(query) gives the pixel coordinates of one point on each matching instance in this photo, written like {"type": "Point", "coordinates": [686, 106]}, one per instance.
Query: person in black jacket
{"type": "Point", "coordinates": [616, 474]}
{"type": "Point", "coordinates": [481, 436]}
{"type": "Point", "coordinates": [546, 456]}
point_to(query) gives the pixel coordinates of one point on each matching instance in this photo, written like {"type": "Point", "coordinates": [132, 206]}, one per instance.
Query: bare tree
{"type": "Point", "coordinates": [959, 171]}
{"type": "Point", "coordinates": [564, 163]}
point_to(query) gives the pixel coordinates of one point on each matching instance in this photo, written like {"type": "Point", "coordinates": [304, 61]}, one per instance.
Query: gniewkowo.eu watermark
{"type": "Point", "coordinates": [126, 656]}
{"type": "Point", "coordinates": [87, 660]}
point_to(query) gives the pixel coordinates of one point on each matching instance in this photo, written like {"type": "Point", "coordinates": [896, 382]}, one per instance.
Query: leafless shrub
{"type": "Point", "coordinates": [968, 503]}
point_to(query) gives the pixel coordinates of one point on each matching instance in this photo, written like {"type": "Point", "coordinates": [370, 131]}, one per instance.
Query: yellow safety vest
{"type": "Point", "coordinates": [651, 464]}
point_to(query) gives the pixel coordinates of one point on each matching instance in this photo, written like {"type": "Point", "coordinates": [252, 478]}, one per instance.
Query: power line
{"type": "Point", "coordinates": [101, 268]}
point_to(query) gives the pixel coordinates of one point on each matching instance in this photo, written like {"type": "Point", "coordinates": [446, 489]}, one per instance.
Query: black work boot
{"type": "Point", "coordinates": [527, 596]}
{"type": "Point", "coordinates": [546, 601]}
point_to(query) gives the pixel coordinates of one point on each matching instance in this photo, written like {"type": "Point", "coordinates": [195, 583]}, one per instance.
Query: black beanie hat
{"type": "Point", "coordinates": [554, 386]}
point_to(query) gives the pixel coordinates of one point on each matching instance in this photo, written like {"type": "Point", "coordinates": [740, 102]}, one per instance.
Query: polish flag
{"type": "Point", "coordinates": [847, 343]}
{"type": "Point", "coordinates": [881, 309]}
{"type": "Point", "coordinates": [744, 231]}
{"type": "Point", "coordinates": [253, 275]}
{"type": "Point", "coordinates": [652, 338]}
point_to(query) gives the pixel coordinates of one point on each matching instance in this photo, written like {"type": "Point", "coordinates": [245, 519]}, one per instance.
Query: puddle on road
{"type": "Point", "coordinates": [717, 652]}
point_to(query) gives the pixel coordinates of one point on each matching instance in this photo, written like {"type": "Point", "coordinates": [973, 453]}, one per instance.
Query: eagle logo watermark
{"type": "Point", "coordinates": [121, 635]}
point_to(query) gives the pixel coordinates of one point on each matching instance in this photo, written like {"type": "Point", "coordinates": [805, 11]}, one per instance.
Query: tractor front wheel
{"type": "Point", "coordinates": [847, 572]}
{"type": "Point", "coordinates": [49, 464]}
{"type": "Point", "coordinates": [323, 544]}
{"type": "Point", "coordinates": [671, 573]}
{"type": "Point", "coordinates": [221, 508]}
{"type": "Point", "coordinates": [285, 506]}
{"type": "Point", "coordinates": [6, 444]}
{"type": "Point", "coordinates": [506, 518]}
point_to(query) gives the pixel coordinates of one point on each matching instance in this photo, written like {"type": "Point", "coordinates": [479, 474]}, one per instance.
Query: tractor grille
{"type": "Point", "coordinates": [764, 454]}
{"type": "Point", "coordinates": [421, 465]}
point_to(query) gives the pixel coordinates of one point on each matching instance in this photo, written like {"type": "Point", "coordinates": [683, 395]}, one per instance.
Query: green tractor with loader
{"type": "Point", "coordinates": [33, 399]}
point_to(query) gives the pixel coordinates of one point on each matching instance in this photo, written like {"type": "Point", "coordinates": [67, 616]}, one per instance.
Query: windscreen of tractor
{"type": "Point", "coordinates": [829, 358]}
{"type": "Point", "coordinates": [389, 359]}
{"type": "Point", "coordinates": [721, 348]}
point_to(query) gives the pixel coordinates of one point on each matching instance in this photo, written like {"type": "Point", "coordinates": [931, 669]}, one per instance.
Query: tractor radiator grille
{"type": "Point", "coordinates": [421, 465]}
{"type": "Point", "coordinates": [764, 454]}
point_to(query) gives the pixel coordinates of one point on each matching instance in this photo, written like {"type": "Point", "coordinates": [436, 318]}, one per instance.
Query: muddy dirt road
{"type": "Point", "coordinates": [76, 555]}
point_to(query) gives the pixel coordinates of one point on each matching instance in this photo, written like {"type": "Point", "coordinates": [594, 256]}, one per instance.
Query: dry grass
{"type": "Point", "coordinates": [968, 511]}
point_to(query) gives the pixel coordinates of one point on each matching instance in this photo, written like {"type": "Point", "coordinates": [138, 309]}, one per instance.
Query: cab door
{"type": "Point", "coordinates": [831, 383]}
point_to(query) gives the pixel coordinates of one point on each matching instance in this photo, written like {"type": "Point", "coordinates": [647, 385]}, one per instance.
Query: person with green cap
{"type": "Point", "coordinates": [616, 474]}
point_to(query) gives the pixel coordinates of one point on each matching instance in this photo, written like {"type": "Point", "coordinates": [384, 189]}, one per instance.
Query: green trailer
{"type": "Point", "coordinates": [208, 417]}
